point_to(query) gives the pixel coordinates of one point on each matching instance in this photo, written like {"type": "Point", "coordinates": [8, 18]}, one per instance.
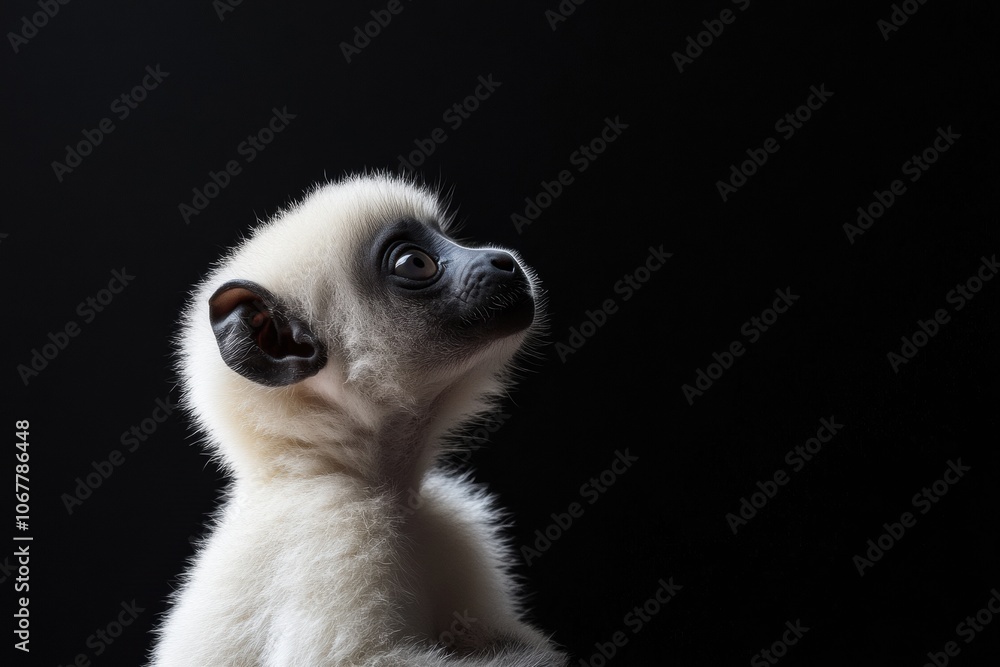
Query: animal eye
{"type": "Point", "coordinates": [415, 265]}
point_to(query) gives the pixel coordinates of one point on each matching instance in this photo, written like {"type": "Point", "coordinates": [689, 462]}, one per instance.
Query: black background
{"type": "Point", "coordinates": [655, 185]}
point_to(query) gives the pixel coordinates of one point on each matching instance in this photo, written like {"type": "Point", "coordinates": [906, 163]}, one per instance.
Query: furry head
{"type": "Point", "coordinates": [348, 318]}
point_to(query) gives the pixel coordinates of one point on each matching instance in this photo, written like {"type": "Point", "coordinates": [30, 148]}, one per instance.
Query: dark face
{"type": "Point", "coordinates": [467, 295]}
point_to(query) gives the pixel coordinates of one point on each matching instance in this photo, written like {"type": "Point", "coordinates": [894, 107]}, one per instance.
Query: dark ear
{"type": "Point", "coordinates": [259, 340]}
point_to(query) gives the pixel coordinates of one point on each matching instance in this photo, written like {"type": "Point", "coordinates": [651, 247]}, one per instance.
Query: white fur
{"type": "Point", "coordinates": [340, 542]}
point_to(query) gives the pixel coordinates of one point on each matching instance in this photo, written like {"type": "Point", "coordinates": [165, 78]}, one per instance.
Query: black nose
{"type": "Point", "coordinates": [502, 261]}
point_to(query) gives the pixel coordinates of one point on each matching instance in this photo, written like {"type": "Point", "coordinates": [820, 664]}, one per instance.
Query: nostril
{"type": "Point", "coordinates": [503, 262]}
